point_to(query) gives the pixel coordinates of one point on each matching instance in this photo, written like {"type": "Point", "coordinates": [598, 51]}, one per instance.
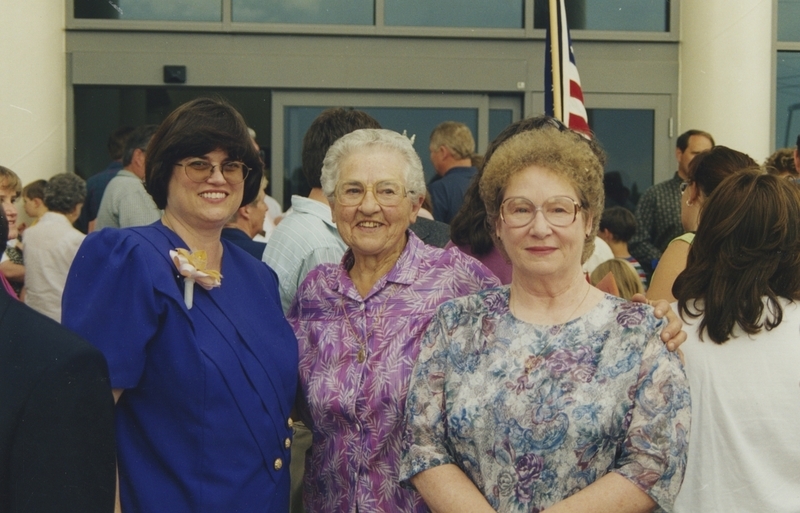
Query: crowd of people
{"type": "Point", "coordinates": [479, 343]}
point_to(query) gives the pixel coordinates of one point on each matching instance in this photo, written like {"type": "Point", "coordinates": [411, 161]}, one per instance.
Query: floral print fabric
{"type": "Point", "coordinates": [356, 409]}
{"type": "Point", "coordinates": [533, 414]}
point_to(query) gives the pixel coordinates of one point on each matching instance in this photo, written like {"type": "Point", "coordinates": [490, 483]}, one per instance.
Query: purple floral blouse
{"type": "Point", "coordinates": [355, 408]}
{"type": "Point", "coordinates": [533, 414]}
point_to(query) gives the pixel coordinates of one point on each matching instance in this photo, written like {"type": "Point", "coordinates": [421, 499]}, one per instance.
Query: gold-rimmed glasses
{"type": "Point", "coordinates": [386, 193]}
{"type": "Point", "coordinates": [560, 211]}
{"type": "Point", "coordinates": [198, 170]}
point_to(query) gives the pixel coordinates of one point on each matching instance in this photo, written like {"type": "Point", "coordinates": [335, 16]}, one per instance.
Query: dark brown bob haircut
{"type": "Point", "coordinates": [192, 130]}
{"type": "Point", "coordinates": [747, 249]}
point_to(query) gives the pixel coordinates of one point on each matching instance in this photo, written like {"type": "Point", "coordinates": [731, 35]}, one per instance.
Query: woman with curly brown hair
{"type": "Point", "coordinates": [547, 392]}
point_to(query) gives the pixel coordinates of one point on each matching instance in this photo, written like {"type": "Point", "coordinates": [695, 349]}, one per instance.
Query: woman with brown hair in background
{"type": "Point", "coordinates": [740, 289]}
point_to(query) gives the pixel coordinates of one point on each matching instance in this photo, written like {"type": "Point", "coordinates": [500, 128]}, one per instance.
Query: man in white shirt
{"type": "Point", "coordinates": [307, 236]}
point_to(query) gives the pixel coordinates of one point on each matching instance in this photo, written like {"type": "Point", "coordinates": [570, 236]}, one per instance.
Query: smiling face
{"type": "Point", "coordinates": [540, 249]}
{"type": "Point", "coordinates": [7, 198]}
{"type": "Point", "coordinates": [204, 205]}
{"type": "Point", "coordinates": [371, 229]}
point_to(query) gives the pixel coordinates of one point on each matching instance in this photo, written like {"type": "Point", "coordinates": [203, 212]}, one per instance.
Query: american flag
{"type": "Point", "coordinates": [562, 85]}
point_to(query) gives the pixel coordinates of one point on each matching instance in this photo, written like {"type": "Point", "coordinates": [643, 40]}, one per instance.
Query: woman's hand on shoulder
{"type": "Point", "coordinates": [672, 334]}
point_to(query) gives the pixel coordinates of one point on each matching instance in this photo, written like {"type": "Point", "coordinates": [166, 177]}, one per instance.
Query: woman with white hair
{"type": "Point", "coordinates": [359, 323]}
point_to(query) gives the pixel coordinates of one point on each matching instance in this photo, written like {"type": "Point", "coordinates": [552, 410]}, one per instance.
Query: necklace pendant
{"type": "Point", "coordinates": [361, 355]}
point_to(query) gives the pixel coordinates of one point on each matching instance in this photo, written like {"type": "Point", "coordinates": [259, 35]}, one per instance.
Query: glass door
{"type": "Point", "coordinates": [415, 114]}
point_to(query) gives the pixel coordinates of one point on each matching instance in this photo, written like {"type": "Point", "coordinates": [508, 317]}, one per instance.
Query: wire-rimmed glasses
{"type": "Point", "coordinates": [557, 210]}
{"type": "Point", "coordinates": [199, 170]}
{"type": "Point", "coordinates": [387, 193]}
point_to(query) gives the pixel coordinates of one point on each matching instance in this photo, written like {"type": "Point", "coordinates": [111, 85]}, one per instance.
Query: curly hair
{"type": "Point", "coordinates": [64, 192]}
{"type": "Point", "coordinates": [373, 138]}
{"type": "Point", "coordinates": [469, 226]}
{"type": "Point", "coordinates": [566, 154]}
{"type": "Point", "coordinates": [780, 162]}
{"type": "Point", "coordinates": [747, 248]}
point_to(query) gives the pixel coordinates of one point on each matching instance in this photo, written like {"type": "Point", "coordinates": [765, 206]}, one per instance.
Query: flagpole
{"type": "Point", "coordinates": [555, 60]}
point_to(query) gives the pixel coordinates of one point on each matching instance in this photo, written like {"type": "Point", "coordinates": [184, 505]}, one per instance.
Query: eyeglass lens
{"type": "Point", "coordinates": [388, 194]}
{"type": "Point", "coordinates": [199, 171]}
{"type": "Point", "coordinates": [558, 211]}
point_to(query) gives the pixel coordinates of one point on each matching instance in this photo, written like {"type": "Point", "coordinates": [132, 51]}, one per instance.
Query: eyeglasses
{"type": "Point", "coordinates": [517, 212]}
{"type": "Point", "coordinates": [684, 186]}
{"type": "Point", "coordinates": [387, 194]}
{"type": "Point", "coordinates": [198, 171]}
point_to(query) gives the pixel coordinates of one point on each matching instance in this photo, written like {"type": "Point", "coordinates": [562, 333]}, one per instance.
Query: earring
{"type": "Point", "coordinates": [689, 203]}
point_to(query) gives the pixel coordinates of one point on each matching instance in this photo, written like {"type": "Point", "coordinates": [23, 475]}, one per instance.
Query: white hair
{"type": "Point", "coordinates": [369, 138]}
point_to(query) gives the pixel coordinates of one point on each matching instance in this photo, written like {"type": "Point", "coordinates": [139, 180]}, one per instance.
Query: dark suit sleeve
{"type": "Point", "coordinates": [63, 458]}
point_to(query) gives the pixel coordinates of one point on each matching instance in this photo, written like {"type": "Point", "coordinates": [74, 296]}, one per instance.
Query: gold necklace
{"type": "Point", "coordinates": [362, 343]}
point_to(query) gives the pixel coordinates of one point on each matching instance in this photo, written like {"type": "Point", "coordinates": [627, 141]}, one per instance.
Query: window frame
{"type": "Point", "coordinates": [226, 25]}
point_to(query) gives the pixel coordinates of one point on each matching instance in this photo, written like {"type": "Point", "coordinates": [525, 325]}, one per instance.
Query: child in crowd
{"type": "Point", "coordinates": [617, 226]}
{"type": "Point", "coordinates": [626, 277]}
{"type": "Point", "coordinates": [33, 201]}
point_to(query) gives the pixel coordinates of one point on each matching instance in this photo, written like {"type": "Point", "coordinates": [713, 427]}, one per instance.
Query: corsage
{"type": "Point", "coordinates": [192, 267]}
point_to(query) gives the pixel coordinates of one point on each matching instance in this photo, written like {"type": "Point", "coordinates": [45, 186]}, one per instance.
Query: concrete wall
{"type": "Point", "coordinates": [33, 88]}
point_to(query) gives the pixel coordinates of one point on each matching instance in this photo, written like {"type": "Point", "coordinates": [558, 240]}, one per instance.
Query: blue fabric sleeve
{"type": "Point", "coordinates": [109, 299]}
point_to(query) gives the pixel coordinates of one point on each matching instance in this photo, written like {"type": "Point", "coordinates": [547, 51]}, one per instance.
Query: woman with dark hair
{"type": "Point", "coordinates": [202, 361]}
{"type": "Point", "coordinates": [706, 171]}
{"type": "Point", "coordinates": [740, 290]}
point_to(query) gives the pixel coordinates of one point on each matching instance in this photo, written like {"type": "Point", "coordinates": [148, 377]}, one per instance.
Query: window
{"type": "Point", "coordinates": [327, 12]}
{"type": "Point", "coordinates": [163, 10]}
{"type": "Point", "coordinates": [787, 101]}
{"type": "Point", "coordinates": [627, 138]}
{"type": "Point", "coordinates": [455, 13]}
{"type": "Point", "coordinates": [617, 15]}
{"type": "Point", "coordinates": [418, 122]}
{"type": "Point", "coordinates": [788, 20]}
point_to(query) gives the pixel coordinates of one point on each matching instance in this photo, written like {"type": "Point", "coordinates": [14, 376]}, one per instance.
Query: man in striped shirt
{"type": "Point", "coordinates": [307, 236]}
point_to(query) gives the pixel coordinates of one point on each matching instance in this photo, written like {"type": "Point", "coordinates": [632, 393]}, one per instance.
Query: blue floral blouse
{"type": "Point", "coordinates": [533, 414]}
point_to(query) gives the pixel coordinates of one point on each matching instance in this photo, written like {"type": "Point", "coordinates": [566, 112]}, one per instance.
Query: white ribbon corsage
{"type": "Point", "coordinates": [192, 267]}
